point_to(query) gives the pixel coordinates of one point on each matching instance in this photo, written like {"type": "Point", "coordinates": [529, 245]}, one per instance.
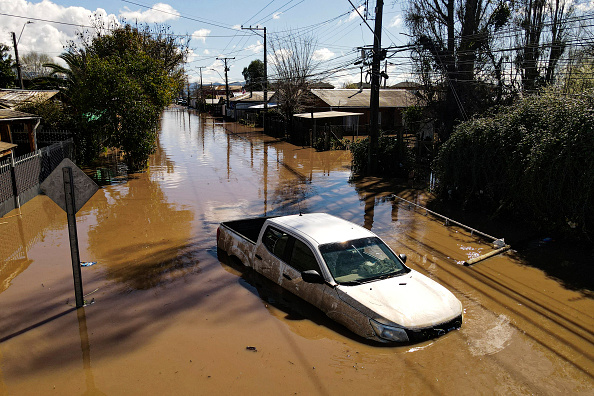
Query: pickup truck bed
{"type": "Point", "coordinates": [247, 228]}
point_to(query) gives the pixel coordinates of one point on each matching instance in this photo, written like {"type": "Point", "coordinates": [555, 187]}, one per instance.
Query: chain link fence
{"type": "Point", "coordinates": [20, 178]}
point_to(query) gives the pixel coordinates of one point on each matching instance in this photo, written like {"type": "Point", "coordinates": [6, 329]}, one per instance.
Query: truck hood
{"type": "Point", "coordinates": [412, 301]}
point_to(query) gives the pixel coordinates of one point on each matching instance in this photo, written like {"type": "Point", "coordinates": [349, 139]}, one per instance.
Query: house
{"type": "Point", "coordinates": [391, 104]}
{"type": "Point", "coordinates": [249, 102]}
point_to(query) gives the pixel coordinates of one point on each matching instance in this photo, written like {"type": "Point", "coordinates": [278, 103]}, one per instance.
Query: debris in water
{"type": "Point", "coordinates": [251, 348]}
{"type": "Point", "coordinates": [87, 263]}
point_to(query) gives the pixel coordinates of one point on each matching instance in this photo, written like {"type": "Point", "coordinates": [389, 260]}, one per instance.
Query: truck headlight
{"type": "Point", "coordinates": [388, 332]}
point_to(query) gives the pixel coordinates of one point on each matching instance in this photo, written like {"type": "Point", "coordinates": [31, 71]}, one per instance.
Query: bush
{"type": "Point", "coordinates": [535, 158]}
{"type": "Point", "coordinates": [394, 158]}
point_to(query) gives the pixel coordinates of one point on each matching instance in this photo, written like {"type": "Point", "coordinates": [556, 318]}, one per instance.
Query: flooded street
{"type": "Point", "coordinates": [169, 318]}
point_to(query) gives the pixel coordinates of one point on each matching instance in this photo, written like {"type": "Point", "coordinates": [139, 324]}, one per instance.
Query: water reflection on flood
{"type": "Point", "coordinates": [169, 317]}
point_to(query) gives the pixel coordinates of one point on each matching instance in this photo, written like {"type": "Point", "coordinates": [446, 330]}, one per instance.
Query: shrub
{"type": "Point", "coordinates": [535, 158]}
{"type": "Point", "coordinates": [394, 158]}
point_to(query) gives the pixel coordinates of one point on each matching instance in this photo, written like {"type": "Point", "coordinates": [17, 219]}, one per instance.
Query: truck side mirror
{"type": "Point", "coordinates": [402, 257]}
{"type": "Point", "coordinates": [312, 276]}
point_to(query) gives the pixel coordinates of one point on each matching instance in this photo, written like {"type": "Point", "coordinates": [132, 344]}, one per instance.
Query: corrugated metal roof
{"type": "Point", "coordinates": [327, 114]}
{"type": "Point", "coordinates": [7, 114]}
{"type": "Point", "coordinates": [356, 98]}
{"type": "Point", "coordinates": [11, 98]}
{"type": "Point", "coordinates": [5, 147]}
{"type": "Point", "coordinates": [255, 96]}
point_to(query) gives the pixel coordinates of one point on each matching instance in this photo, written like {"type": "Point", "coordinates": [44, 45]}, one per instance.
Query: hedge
{"type": "Point", "coordinates": [534, 159]}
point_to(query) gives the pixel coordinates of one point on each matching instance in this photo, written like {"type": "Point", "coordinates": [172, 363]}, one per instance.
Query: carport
{"type": "Point", "coordinates": [10, 118]}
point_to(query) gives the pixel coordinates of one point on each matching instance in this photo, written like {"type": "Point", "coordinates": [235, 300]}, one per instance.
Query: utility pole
{"type": "Point", "coordinates": [375, 87]}
{"type": "Point", "coordinates": [201, 90]}
{"type": "Point", "coordinates": [226, 82]}
{"type": "Point", "coordinates": [265, 72]}
{"type": "Point", "coordinates": [265, 65]}
{"type": "Point", "coordinates": [18, 65]}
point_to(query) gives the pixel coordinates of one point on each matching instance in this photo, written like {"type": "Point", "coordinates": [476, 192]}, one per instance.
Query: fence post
{"type": "Point", "coordinates": [15, 190]}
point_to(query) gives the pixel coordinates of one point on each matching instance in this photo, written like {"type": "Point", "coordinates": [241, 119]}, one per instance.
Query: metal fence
{"type": "Point", "coordinates": [20, 177]}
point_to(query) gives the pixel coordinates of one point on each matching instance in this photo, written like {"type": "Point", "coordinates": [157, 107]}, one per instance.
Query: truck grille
{"type": "Point", "coordinates": [435, 331]}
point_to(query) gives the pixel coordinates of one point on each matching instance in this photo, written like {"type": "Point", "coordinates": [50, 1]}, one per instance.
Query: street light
{"type": "Point", "coordinates": [16, 53]}
{"type": "Point", "coordinates": [219, 73]}
{"type": "Point", "coordinates": [25, 24]}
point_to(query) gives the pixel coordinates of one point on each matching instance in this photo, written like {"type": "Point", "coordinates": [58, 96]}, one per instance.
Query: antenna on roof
{"type": "Point", "coordinates": [299, 206]}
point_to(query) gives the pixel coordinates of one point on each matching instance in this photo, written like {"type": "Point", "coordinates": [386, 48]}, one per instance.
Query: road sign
{"type": "Point", "coordinates": [71, 188]}
{"type": "Point", "coordinates": [84, 186]}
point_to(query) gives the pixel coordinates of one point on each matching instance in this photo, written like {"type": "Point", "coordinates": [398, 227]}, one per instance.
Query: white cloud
{"type": "Point", "coordinates": [255, 48]}
{"type": "Point", "coordinates": [44, 37]}
{"type": "Point", "coordinates": [586, 6]}
{"type": "Point", "coordinates": [201, 35]}
{"type": "Point", "coordinates": [191, 55]}
{"type": "Point", "coordinates": [354, 14]}
{"type": "Point", "coordinates": [280, 54]}
{"type": "Point", "coordinates": [323, 54]}
{"type": "Point", "coordinates": [158, 13]}
{"type": "Point", "coordinates": [277, 15]}
{"type": "Point", "coordinates": [396, 21]}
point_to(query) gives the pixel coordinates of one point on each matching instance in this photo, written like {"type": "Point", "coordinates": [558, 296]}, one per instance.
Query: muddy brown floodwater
{"type": "Point", "coordinates": [169, 318]}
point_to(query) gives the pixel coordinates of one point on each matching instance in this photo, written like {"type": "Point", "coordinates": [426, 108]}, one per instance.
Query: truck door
{"type": "Point", "coordinates": [301, 258]}
{"type": "Point", "coordinates": [269, 254]}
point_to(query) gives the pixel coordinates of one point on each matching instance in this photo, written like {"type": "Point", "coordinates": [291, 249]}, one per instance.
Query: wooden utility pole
{"type": "Point", "coordinates": [18, 64]}
{"type": "Point", "coordinates": [375, 87]}
{"type": "Point", "coordinates": [226, 82]}
{"type": "Point", "coordinates": [265, 85]}
{"type": "Point", "coordinates": [201, 90]}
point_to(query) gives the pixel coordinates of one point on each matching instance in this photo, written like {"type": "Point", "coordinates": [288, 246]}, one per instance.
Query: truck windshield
{"type": "Point", "coordinates": [361, 260]}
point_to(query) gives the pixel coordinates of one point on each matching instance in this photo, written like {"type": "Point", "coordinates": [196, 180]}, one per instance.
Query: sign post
{"type": "Point", "coordinates": [70, 188]}
{"type": "Point", "coordinates": [71, 215]}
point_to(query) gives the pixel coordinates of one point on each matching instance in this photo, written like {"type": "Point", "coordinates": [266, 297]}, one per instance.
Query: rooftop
{"type": "Point", "coordinates": [360, 98]}
{"type": "Point", "coordinates": [13, 115]}
{"type": "Point", "coordinates": [10, 98]}
{"type": "Point", "coordinates": [327, 114]}
{"type": "Point", "coordinates": [323, 228]}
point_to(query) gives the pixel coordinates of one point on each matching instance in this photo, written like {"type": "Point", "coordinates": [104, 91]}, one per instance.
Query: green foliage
{"type": "Point", "coordinates": [350, 85]}
{"type": "Point", "coordinates": [116, 87]}
{"type": "Point", "coordinates": [53, 114]}
{"type": "Point", "coordinates": [394, 158]}
{"type": "Point", "coordinates": [535, 159]}
{"type": "Point", "coordinates": [254, 76]}
{"type": "Point", "coordinates": [412, 117]}
{"type": "Point", "coordinates": [7, 76]}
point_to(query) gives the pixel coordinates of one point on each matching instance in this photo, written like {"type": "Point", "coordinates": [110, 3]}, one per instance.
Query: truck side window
{"type": "Point", "coordinates": [275, 241]}
{"type": "Point", "coordinates": [302, 258]}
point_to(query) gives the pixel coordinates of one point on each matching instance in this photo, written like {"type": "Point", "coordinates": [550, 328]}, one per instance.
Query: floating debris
{"type": "Point", "coordinates": [251, 348]}
{"type": "Point", "coordinates": [87, 263]}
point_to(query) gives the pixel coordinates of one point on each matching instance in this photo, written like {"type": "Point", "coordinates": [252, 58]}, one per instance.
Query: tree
{"type": "Point", "coordinates": [454, 53]}
{"type": "Point", "coordinates": [117, 84]}
{"type": "Point", "coordinates": [543, 37]}
{"type": "Point", "coordinates": [32, 65]}
{"type": "Point", "coordinates": [254, 76]}
{"type": "Point", "coordinates": [578, 77]}
{"type": "Point", "coordinates": [350, 85]}
{"type": "Point", "coordinates": [7, 76]}
{"type": "Point", "coordinates": [294, 66]}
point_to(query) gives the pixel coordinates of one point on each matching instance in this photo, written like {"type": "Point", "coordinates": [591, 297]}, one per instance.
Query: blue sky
{"type": "Point", "coordinates": [215, 29]}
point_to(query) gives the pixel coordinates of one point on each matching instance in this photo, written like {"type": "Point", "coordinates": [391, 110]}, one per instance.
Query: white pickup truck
{"type": "Point", "coordinates": [346, 271]}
